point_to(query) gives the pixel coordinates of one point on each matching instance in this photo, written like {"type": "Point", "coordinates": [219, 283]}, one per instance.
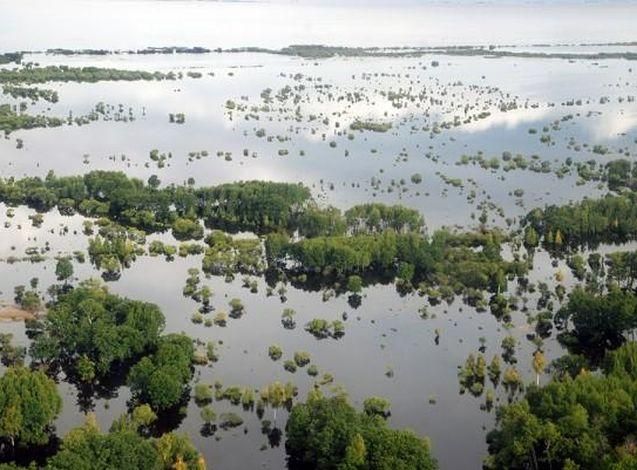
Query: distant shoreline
{"type": "Point", "coordinates": [322, 51]}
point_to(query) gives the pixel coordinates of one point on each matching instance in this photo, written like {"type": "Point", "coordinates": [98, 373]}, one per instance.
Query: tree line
{"type": "Point", "coordinates": [610, 219]}
{"type": "Point", "coordinates": [64, 73]}
{"type": "Point", "coordinates": [258, 206]}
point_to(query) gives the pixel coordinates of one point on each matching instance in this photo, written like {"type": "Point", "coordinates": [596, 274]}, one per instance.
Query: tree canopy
{"type": "Point", "coordinates": [328, 433]}
{"type": "Point", "coordinates": [584, 422]}
{"type": "Point", "coordinates": [29, 402]}
{"type": "Point", "coordinates": [160, 378]}
{"type": "Point", "coordinates": [89, 330]}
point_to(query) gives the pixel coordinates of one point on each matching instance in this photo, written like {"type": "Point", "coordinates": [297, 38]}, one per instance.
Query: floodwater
{"type": "Point", "coordinates": [583, 104]}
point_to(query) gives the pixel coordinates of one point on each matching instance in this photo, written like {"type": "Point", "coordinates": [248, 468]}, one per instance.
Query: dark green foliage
{"type": "Point", "coordinates": [160, 379]}
{"type": "Point", "coordinates": [376, 217]}
{"type": "Point", "coordinates": [586, 422]}
{"type": "Point", "coordinates": [621, 174]}
{"type": "Point", "coordinates": [89, 331]}
{"type": "Point", "coordinates": [63, 73]}
{"type": "Point", "coordinates": [313, 222]}
{"type": "Point", "coordinates": [246, 206]}
{"type": "Point", "coordinates": [257, 206]}
{"type": "Point", "coordinates": [622, 268]}
{"type": "Point", "coordinates": [328, 433]}
{"type": "Point", "coordinates": [589, 222]}
{"type": "Point", "coordinates": [64, 269]}
{"type": "Point", "coordinates": [29, 402]}
{"type": "Point", "coordinates": [10, 120]}
{"type": "Point", "coordinates": [446, 259]}
{"type": "Point", "coordinates": [8, 57]}
{"type": "Point", "coordinates": [32, 93]}
{"type": "Point", "coordinates": [187, 229]}
{"type": "Point", "coordinates": [85, 448]}
{"type": "Point", "coordinates": [599, 322]}
{"type": "Point", "coordinates": [370, 126]}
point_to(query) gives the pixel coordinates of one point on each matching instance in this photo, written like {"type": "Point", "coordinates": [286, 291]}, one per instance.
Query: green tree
{"type": "Point", "coordinates": [29, 402]}
{"type": "Point", "coordinates": [161, 378]}
{"type": "Point", "coordinates": [64, 269]}
{"type": "Point", "coordinates": [328, 433]}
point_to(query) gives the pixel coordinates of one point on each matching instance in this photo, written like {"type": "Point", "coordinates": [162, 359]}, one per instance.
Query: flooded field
{"type": "Point", "coordinates": [473, 143]}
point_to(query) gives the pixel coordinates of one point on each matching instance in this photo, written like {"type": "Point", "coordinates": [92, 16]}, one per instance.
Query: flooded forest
{"type": "Point", "coordinates": [312, 235]}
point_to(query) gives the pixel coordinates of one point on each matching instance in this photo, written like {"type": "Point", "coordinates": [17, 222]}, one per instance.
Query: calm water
{"type": "Point", "coordinates": [386, 330]}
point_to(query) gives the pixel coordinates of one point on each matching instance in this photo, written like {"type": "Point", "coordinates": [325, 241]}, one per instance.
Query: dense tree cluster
{"type": "Point", "coordinates": [376, 217]}
{"type": "Point", "coordinates": [64, 73]}
{"type": "Point", "coordinates": [370, 239]}
{"type": "Point", "coordinates": [328, 433]}
{"type": "Point", "coordinates": [621, 268]}
{"type": "Point", "coordinates": [226, 255]}
{"type": "Point", "coordinates": [8, 57]}
{"type": "Point", "coordinates": [621, 174]}
{"type": "Point", "coordinates": [187, 229]}
{"type": "Point", "coordinates": [89, 331]}
{"type": "Point", "coordinates": [93, 335]}
{"type": "Point", "coordinates": [588, 222]}
{"type": "Point", "coordinates": [160, 379]}
{"type": "Point", "coordinates": [594, 323]}
{"type": "Point", "coordinates": [31, 93]}
{"type": "Point", "coordinates": [11, 120]}
{"type": "Point", "coordinates": [255, 206]}
{"type": "Point", "coordinates": [126, 445]}
{"type": "Point", "coordinates": [585, 422]}
{"type": "Point", "coordinates": [445, 259]}
{"type": "Point", "coordinates": [116, 248]}
{"type": "Point", "coordinates": [29, 402]}
{"type": "Point", "coordinates": [370, 126]}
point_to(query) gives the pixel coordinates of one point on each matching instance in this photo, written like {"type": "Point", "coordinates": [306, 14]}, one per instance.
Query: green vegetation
{"type": "Point", "coordinates": [595, 323]}
{"type": "Point", "coordinates": [203, 394]}
{"type": "Point", "coordinates": [230, 420]}
{"type": "Point", "coordinates": [472, 375]}
{"type": "Point", "coordinates": [376, 218]}
{"type": "Point", "coordinates": [187, 229]}
{"type": "Point", "coordinates": [8, 57]}
{"type": "Point", "coordinates": [585, 422]}
{"type": "Point", "coordinates": [377, 406]}
{"type": "Point", "coordinates": [63, 73]}
{"type": "Point", "coordinates": [31, 93]}
{"type": "Point", "coordinates": [621, 174]}
{"type": "Point", "coordinates": [370, 126]}
{"type": "Point", "coordinates": [611, 219]}
{"type": "Point", "coordinates": [64, 269]}
{"type": "Point", "coordinates": [385, 240]}
{"type": "Point", "coordinates": [255, 206]}
{"type": "Point", "coordinates": [302, 358]}
{"type": "Point", "coordinates": [321, 328]}
{"type": "Point", "coordinates": [328, 433]}
{"type": "Point", "coordinates": [125, 447]}
{"type": "Point", "coordinates": [160, 379]}
{"type": "Point", "coordinates": [11, 120]}
{"type": "Point", "coordinates": [29, 402]}
{"type": "Point", "coordinates": [88, 332]}
{"type": "Point", "coordinates": [10, 354]}
{"type": "Point", "coordinates": [445, 259]}
{"type": "Point", "coordinates": [227, 255]}
{"type": "Point", "coordinates": [275, 352]}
